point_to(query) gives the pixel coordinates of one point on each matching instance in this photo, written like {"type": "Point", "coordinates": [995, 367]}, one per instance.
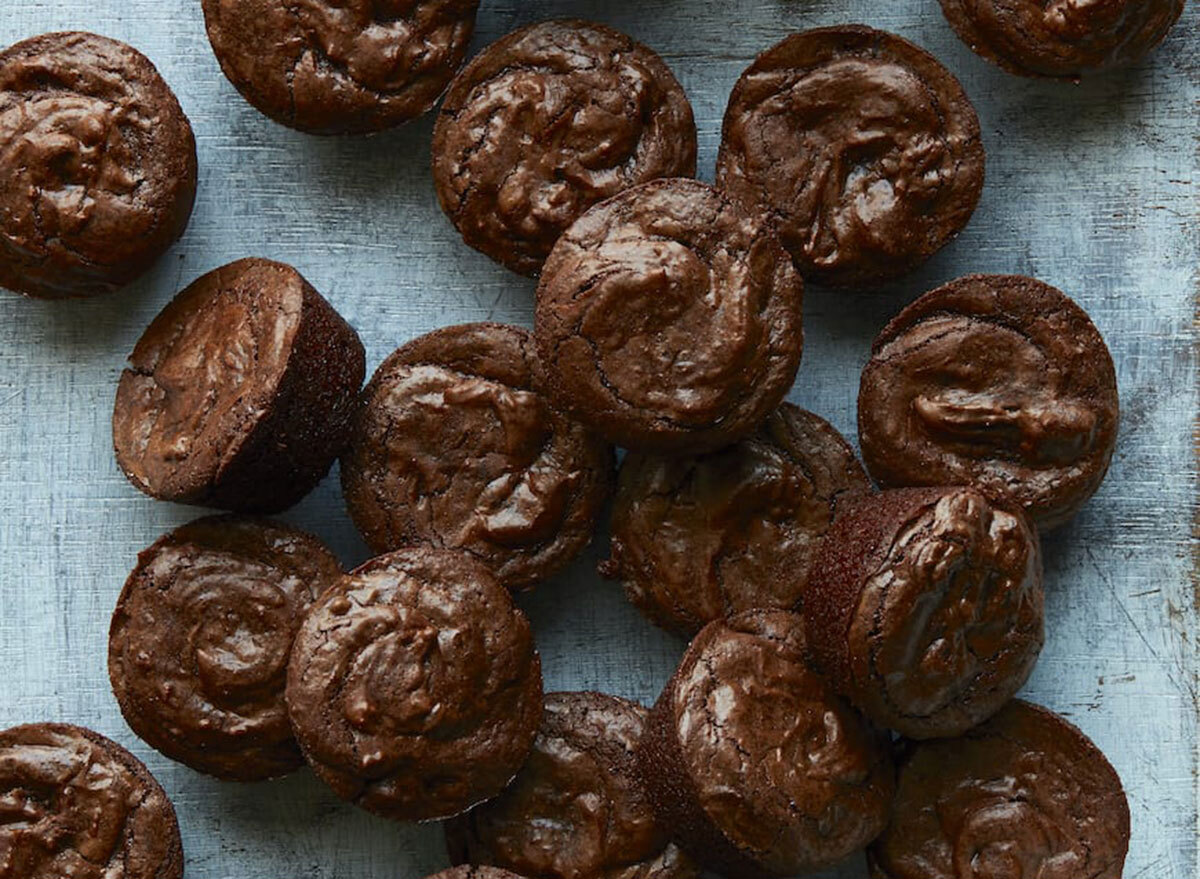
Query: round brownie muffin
{"type": "Point", "coordinates": [926, 608]}
{"type": "Point", "coordinates": [199, 642]}
{"type": "Point", "coordinates": [1061, 39]}
{"type": "Point", "coordinates": [455, 445]}
{"type": "Point", "coordinates": [76, 804]}
{"type": "Point", "coordinates": [340, 66]}
{"type": "Point", "coordinates": [97, 166]}
{"type": "Point", "coordinates": [414, 687]}
{"type": "Point", "coordinates": [862, 147]}
{"type": "Point", "coordinates": [1025, 794]}
{"type": "Point", "coordinates": [576, 810]}
{"type": "Point", "coordinates": [669, 318]}
{"type": "Point", "coordinates": [701, 537]}
{"type": "Point", "coordinates": [754, 763]}
{"type": "Point", "coordinates": [239, 394]}
{"type": "Point", "coordinates": [545, 123]}
{"type": "Point", "coordinates": [994, 380]}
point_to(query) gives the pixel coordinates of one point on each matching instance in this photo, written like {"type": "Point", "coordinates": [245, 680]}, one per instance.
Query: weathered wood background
{"type": "Point", "coordinates": [1092, 188]}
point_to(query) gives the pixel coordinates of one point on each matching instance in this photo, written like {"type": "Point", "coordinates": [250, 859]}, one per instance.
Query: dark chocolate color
{"type": "Point", "coordinates": [669, 318]}
{"type": "Point", "coordinates": [862, 148]}
{"type": "Point", "coordinates": [456, 445]}
{"type": "Point", "coordinates": [97, 166]}
{"type": "Point", "coordinates": [239, 394]}
{"type": "Point", "coordinates": [999, 381]}
{"type": "Point", "coordinates": [340, 66]}
{"type": "Point", "coordinates": [414, 687]}
{"type": "Point", "coordinates": [472, 872]}
{"type": "Point", "coordinates": [576, 810]}
{"type": "Point", "coordinates": [200, 639]}
{"type": "Point", "coordinates": [1061, 38]}
{"type": "Point", "coordinates": [75, 804]}
{"type": "Point", "coordinates": [545, 123]}
{"type": "Point", "coordinates": [926, 608]}
{"type": "Point", "coordinates": [753, 761]}
{"type": "Point", "coordinates": [701, 537]}
{"type": "Point", "coordinates": [1025, 794]}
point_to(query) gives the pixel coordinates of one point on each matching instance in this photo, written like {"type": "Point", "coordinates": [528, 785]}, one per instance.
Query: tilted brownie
{"type": "Point", "coordinates": [696, 538]}
{"type": "Point", "coordinates": [97, 166]}
{"type": "Point", "coordinates": [414, 687]}
{"type": "Point", "coordinates": [239, 394]}
{"type": "Point", "coordinates": [75, 804]}
{"type": "Point", "coordinates": [1061, 39]}
{"type": "Point", "coordinates": [548, 121]}
{"type": "Point", "coordinates": [997, 381]}
{"type": "Point", "coordinates": [861, 146]}
{"type": "Point", "coordinates": [1025, 794]}
{"type": "Point", "coordinates": [754, 763]}
{"type": "Point", "coordinates": [200, 640]}
{"type": "Point", "coordinates": [926, 607]}
{"type": "Point", "coordinates": [456, 445]}
{"type": "Point", "coordinates": [577, 809]}
{"type": "Point", "coordinates": [669, 319]}
{"type": "Point", "coordinates": [338, 67]}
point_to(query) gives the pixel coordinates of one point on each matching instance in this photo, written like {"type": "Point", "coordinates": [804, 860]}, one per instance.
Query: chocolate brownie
{"type": "Point", "coordinates": [472, 872]}
{"type": "Point", "coordinates": [994, 380]}
{"type": "Point", "coordinates": [97, 166]}
{"type": "Point", "coordinates": [456, 445]}
{"type": "Point", "coordinates": [576, 810]}
{"type": "Point", "coordinates": [414, 687]}
{"type": "Point", "coordinates": [545, 123]}
{"type": "Point", "coordinates": [200, 639]}
{"type": "Point", "coordinates": [240, 393]}
{"type": "Point", "coordinates": [696, 538]}
{"type": "Point", "coordinates": [1061, 39]}
{"type": "Point", "coordinates": [926, 610]}
{"type": "Point", "coordinates": [1025, 794]}
{"type": "Point", "coordinates": [669, 318]}
{"type": "Point", "coordinates": [861, 146]}
{"type": "Point", "coordinates": [73, 803]}
{"type": "Point", "coordinates": [753, 761]}
{"type": "Point", "coordinates": [340, 66]}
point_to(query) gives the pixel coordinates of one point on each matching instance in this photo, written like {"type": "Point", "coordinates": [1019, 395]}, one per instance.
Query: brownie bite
{"type": "Point", "coordinates": [754, 763]}
{"type": "Point", "coordinates": [1061, 39]}
{"type": "Point", "coordinates": [473, 872]}
{"type": "Point", "coordinates": [414, 687]}
{"type": "Point", "coordinates": [926, 608]}
{"type": "Point", "coordinates": [97, 166]}
{"type": "Point", "coordinates": [997, 381]}
{"type": "Point", "coordinates": [545, 123]}
{"type": "Point", "coordinates": [862, 148]}
{"type": "Point", "coordinates": [696, 538]}
{"type": "Point", "coordinates": [335, 67]}
{"type": "Point", "coordinates": [1025, 794]}
{"type": "Point", "coordinates": [456, 445]}
{"type": "Point", "coordinates": [239, 394]}
{"type": "Point", "coordinates": [200, 639]}
{"type": "Point", "coordinates": [576, 810]}
{"type": "Point", "coordinates": [73, 803]}
{"type": "Point", "coordinates": [669, 319]}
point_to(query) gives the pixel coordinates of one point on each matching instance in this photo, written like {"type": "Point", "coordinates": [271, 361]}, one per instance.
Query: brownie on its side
{"type": "Point", "coordinates": [200, 639]}
{"type": "Point", "coordinates": [548, 121]}
{"type": "Point", "coordinates": [97, 166]}
{"type": "Point", "coordinates": [864, 149]}
{"type": "Point", "coordinates": [696, 538]}
{"type": "Point", "coordinates": [1025, 794]}
{"type": "Point", "coordinates": [669, 319]}
{"type": "Point", "coordinates": [239, 394]}
{"type": "Point", "coordinates": [414, 688]}
{"type": "Point", "coordinates": [754, 763]}
{"type": "Point", "coordinates": [78, 804]}
{"type": "Point", "coordinates": [455, 445]}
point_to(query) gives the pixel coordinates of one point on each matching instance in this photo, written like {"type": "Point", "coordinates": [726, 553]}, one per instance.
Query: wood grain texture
{"type": "Point", "coordinates": [1092, 188]}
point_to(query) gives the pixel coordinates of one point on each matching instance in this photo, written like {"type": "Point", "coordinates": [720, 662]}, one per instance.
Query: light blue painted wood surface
{"type": "Point", "coordinates": [1092, 188]}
